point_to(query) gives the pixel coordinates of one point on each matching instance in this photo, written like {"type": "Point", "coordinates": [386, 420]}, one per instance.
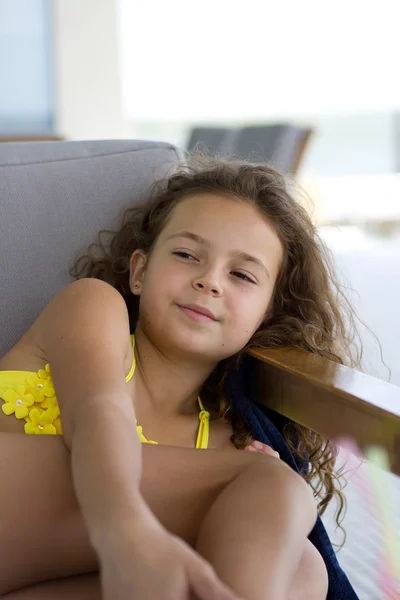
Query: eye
{"type": "Point", "coordinates": [183, 254]}
{"type": "Point", "coordinates": [243, 276]}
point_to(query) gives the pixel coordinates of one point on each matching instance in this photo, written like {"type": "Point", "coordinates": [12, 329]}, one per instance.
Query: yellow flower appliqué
{"type": "Point", "coordinates": [51, 405]}
{"type": "Point", "coordinates": [40, 422]}
{"type": "Point", "coordinates": [41, 384]}
{"type": "Point", "coordinates": [17, 401]}
{"type": "Point", "coordinates": [58, 426]}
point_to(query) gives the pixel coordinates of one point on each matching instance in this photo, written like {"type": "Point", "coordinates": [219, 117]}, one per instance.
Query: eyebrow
{"type": "Point", "coordinates": [200, 240]}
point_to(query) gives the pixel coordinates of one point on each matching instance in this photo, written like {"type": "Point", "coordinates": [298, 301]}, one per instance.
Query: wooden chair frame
{"type": "Point", "coordinates": [305, 142]}
{"type": "Point", "coordinates": [31, 137]}
{"type": "Point", "coordinates": [333, 400]}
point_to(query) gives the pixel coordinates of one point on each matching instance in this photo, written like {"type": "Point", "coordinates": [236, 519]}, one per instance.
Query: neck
{"type": "Point", "coordinates": [169, 383]}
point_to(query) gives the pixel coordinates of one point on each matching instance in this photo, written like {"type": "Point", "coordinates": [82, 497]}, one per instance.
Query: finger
{"type": "Point", "coordinates": [207, 586]}
{"type": "Point", "coordinates": [260, 446]}
{"type": "Point", "coordinates": [269, 451]}
{"type": "Point", "coordinates": [256, 446]}
{"type": "Point", "coordinates": [265, 448]}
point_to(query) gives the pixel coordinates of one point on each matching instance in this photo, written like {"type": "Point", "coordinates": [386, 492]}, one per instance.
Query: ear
{"type": "Point", "coordinates": [137, 269]}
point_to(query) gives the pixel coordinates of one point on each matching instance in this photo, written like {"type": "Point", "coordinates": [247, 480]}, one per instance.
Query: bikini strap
{"type": "Point", "coordinates": [133, 366]}
{"type": "Point", "coordinates": [204, 427]}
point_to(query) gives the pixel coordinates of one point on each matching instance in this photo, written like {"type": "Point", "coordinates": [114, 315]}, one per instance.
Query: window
{"type": "Point", "coordinates": [26, 74]}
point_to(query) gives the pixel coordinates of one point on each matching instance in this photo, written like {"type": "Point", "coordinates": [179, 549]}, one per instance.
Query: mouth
{"type": "Point", "coordinates": [198, 313]}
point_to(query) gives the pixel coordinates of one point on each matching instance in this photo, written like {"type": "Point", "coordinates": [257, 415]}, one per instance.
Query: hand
{"type": "Point", "coordinates": [150, 563]}
{"type": "Point", "coordinates": [256, 446]}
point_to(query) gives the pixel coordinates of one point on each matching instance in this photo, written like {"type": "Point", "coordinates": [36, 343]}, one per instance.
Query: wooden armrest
{"type": "Point", "coordinates": [333, 400]}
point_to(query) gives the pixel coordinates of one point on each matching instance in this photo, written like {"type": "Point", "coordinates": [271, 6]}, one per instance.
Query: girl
{"type": "Point", "coordinates": [149, 340]}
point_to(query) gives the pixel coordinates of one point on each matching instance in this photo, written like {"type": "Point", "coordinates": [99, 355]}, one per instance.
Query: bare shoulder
{"type": "Point", "coordinates": [75, 300]}
{"type": "Point", "coordinates": [84, 294]}
{"type": "Point", "coordinates": [87, 310]}
{"type": "Point", "coordinates": [83, 333]}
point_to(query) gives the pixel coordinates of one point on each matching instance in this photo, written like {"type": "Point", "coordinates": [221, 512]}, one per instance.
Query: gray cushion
{"type": "Point", "coordinates": [54, 198]}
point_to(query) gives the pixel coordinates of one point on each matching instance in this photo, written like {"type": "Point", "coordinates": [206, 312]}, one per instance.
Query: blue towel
{"type": "Point", "coordinates": [259, 421]}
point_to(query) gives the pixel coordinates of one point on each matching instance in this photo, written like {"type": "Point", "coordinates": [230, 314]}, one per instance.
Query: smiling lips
{"type": "Point", "coordinates": [198, 313]}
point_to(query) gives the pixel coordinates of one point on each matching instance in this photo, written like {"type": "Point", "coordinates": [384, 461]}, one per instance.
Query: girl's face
{"type": "Point", "coordinates": [208, 282]}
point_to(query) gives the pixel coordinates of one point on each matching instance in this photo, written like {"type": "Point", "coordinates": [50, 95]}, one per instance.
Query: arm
{"type": "Point", "coordinates": [84, 334]}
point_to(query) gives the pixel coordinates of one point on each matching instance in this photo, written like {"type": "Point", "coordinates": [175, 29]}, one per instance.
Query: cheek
{"type": "Point", "coordinates": [164, 276]}
{"type": "Point", "coordinates": [151, 293]}
{"type": "Point", "coordinates": [248, 311]}
{"type": "Point", "coordinates": [160, 287]}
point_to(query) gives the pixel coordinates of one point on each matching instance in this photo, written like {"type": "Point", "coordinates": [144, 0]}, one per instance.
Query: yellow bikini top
{"type": "Point", "coordinates": [31, 396]}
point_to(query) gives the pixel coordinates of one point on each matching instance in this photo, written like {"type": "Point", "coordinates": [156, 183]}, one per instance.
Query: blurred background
{"type": "Point", "coordinates": [309, 85]}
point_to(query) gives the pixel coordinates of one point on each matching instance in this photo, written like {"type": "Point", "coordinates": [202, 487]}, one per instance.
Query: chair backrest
{"type": "Point", "coordinates": [282, 145]}
{"type": "Point", "coordinates": [213, 140]}
{"type": "Point", "coordinates": [54, 199]}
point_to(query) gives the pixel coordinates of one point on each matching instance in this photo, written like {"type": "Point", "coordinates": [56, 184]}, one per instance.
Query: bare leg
{"type": "Point", "coordinates": [84, 587]}
{"type": "Point", "coordinates": [256, 532]}
{"type": "Point", "coordinates": [87, 587]}
{"type": "Point", "coordinates": [42, 535]}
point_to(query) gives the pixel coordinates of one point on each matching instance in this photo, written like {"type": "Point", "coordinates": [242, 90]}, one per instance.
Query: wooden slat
{"type": "Point", "coordinates": [30, 138]}
{"type": "Point", "coordinates": [329, 398]}
{"type": "Point", "coordinates": [302, 148]}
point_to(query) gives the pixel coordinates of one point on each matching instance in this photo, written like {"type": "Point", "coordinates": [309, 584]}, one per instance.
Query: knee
{"type": "Point", "coordinates": [294, 493]}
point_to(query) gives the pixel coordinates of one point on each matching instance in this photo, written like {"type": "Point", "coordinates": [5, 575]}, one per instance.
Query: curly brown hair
{"type": "Point", "coordinates": [309, 309]}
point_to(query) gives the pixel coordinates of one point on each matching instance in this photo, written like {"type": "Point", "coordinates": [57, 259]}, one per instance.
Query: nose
{"type": "Point", "coordinates": [208, 283]}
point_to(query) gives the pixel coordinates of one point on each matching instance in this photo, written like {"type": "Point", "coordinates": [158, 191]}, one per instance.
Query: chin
{"type": "Point", "coordinates": [213, 352]}
{"type": "Point", "coordinates": [196, 344]}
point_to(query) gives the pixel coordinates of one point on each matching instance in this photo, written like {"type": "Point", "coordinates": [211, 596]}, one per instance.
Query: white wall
{"type": "Point", "coordinates": [87, 71]}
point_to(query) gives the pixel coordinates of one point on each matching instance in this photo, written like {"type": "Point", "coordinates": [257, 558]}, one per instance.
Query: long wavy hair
{"type": "Point", "coordinates": [309, 309]}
